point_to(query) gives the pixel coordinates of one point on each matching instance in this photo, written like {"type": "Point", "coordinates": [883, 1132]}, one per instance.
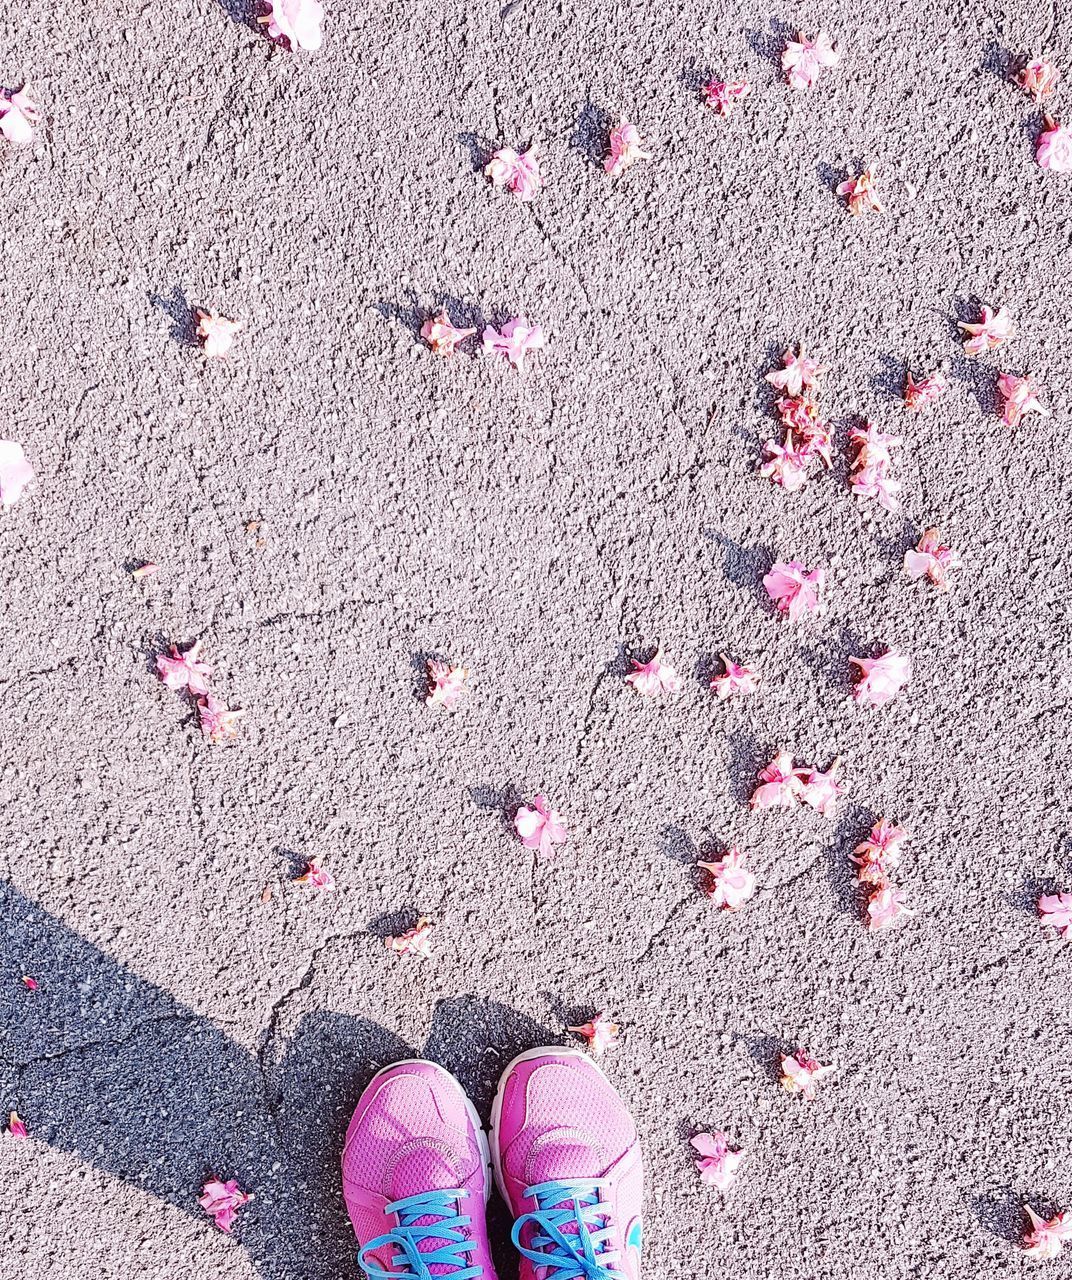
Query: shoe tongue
{"type": "Point", "coordinates": [427, 1169]}
{"type": "Point", "coordinates": [564, 1156]}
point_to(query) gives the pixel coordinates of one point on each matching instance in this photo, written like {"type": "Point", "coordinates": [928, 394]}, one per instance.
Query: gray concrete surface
{"type": "Point", "coordinates": [538, 529]}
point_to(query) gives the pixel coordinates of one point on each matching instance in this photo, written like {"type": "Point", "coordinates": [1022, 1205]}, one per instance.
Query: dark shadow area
{"type": "Point", "coordinates": [768, 1051]}
{"type": "Point", "coordinates": [1024, 897]}
{"type": "Point", "coordinates": [591, 133]}
{"type": "Point", "coordinates": [999, 62]}
{"type": "Point", "coordinates": [461, 313]}
{"type": "Point", "coordinates": [832, 178]}
{"type": "Point", "coordinates": [743, 566]}
{"type": "Point", "coordinates": [480, 148]}
{"type": "Point", "coordinates": [889, 380]}
{"type": "Point", "coordinates": [407, 313]}
{"type": "Point", "coordinates": [747, 757]}
{"type": "Point", "coordinates": [695, 76]}
{"type": "Point", "coordinates": [244, 12]}
{"type": "Point", "coordinates": [1001, 1212]}
{"type": "Point", "coordinates": [677, 845]}
{"type": "Point", "coordinates": [176, 306]}
{"type": "Point", "coordinates": [854, 822]}
{"type": "Point", "coordinates": [978, 373]}
{"type": "Point", "coordinates": [771, 43]}
{"type": "Point", "coordinates": [708, 665]}
{"type": "Point", "coordinates": [391, 924]}
{"type": "Point", "coordinates": [421, 681]}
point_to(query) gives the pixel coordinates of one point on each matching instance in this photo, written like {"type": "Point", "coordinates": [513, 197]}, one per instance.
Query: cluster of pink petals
{"type": "Point", "coordinates": [731, 884]}
{"type": "Point", "coordinates": [989, 333]}
{"type": "Point", "coordinates": [1039, 78]}
{"type": "Point", "coordinates": [806, 438]}
{"type": "Point", "coordinates": [16, 1127]}
{"type": "Point", "coordinates": [296, 21]}
{"type": "Point", "coordinates": [1055, 909]}
{"type": "Point", "coordinates": [918, 395]}
{"type": "Point", "coordinates": [220, 1200]}
{"type": "Point", "coordinates": [736, 679]}
{"type": "Point", "coordinates": [316, 877]}
{"type": "Point", "coordinates": [654, 678]}
{"type": "Point", "coordinates": [446, 684]}
{"type": "Point", "coordinates": [803, 59]}
{"type": "Point", "coordinates": [795, 590]}
{"type": "Point", "coordinates": [184, 670]}
{"type": "Point", "coordinates": [722, 95]}
{"type": "Point", "coordinates": [875, 859]}
{"type": "Point", "coordinates": [1046, 1239]}
{"type": "Point", "coordinates": [784, 786]}
{"type": "Point", "coordinates": [799, 374]}
{"type": "Point", "coordinates": [441, 335]}
{"type": "Point", "coordinates": [1020, 396]}
{"type": "Point", "coordinates": [819, 790]}
{"type": "Point", "coordinates": [786, 464]}
{"type": "Point", "coordinates": [540, 827]}
{"type": "Point", "coordinates": [881, 678]}
{"type": "Point", "coordinates": [218, 721]}
{"type": "Point", "coordinates": [801, 1073]}
{"type": "Point", "coordinates": [515, 341]}
{"type": "Point", "coordinates": [18, 115]}
{"type": "Point", "coordinates": [519, 171]}
{"type": "Point", "coordinates": [860, 192]}
{"type": "Point", "coordinates": [15, 472]}
{"type": "Point", "coordinates": [30, 983]}
{"type": "Point", "coordinates": [871, 475]}
{"type": "Point", "coordinates": [885, 905]}
{"type": "Point", "coordinates": [414, 942]}
{"type": "Point", "coordinates": [216, 332]}
{"type": "Point", "coordinates": [718, 1162]}
{"type": "Point", "coordinates": [626, 148]}
{"type": "Point", "coordinates": [931, 560]}
{"type": "Point", "coordinates": [1053, 150]}
{"type": "Point", "coordinates": [601, 1033]}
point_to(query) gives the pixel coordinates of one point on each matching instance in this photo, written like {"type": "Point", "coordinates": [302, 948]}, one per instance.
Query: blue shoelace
{"type": "Point", "coordinates": [584, 1253]}
{"type": "Point", "coordinates": [450, 1229]}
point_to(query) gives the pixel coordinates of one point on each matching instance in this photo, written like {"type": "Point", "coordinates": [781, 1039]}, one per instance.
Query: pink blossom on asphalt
{"type": "Point", "coordinates": [795, 590]}
{"type": "Point", "coordinates": [800, 413]}
{"type": "Point", "coordinates": [1020, 397]}
{"type": "Point", "coordinates": [540, 827]}
{"type": "Point", "coordinates": [886, 905]}
{"type": "Point", "coordinates": [184, 670]}
{"type": "Point", "coordinates": [220, 1200]}
{"type": "Point", "coordinates": [877, 856]}
{"type": "Point", "coordinates": [1039, 78]}
{"type": "Point", "coordinates": [719, 1162]}
{"type": "Point", "coordinates": [872, 446]}
{"type": "Point", "coordinates": [147, 570]}
{"type": "Point", "coordinates": [1056, 909]}
{"type": "Point", "coordinates": [441, 335]}
{"type": "Point", "coordinates": [786, 465]}
{"type": "Point", "coordinates": [1053, 150]}
{"type": "Point", "coordinates": [881, 678]}
{"type": "Point", "coordinates": [218, 721]}
{"type": "Point", "coordinates": [801, 1073]}
{"type": "Point", "coordinates": [515, 341]}
{"type": "Point", "coordinates": [216, 332]}
{"type": "Point", "coordinates": [799, 373]}
{"type": "Point", "coordinates": [296, 21]}
{"type": "Point", "coordinates": [15, 472]}
{"type": "Point", "coordinates": [316, 877]}
{"type": "Point", "coordinates": [30, 983]}
{"type": "Point", "coordinates": [993, 329]}
{"type": "Point", "coordinates": [860, 193]}
{"type": "Point", "coordinates": [803, 59]}
{"type": "Point", "coordinates": [626, 148]}
{"type": "Point", "coordinates": [819, 789]}
{"type": "Point", "coordinates": [518, 171]}
{"type": "Point", "coordinates": [780, 786]}
{"type": "Point", "coordinates": [1046, 1239]}
{"type": "Point", "coordinates": [16, 1127]}
{"type": "Point", "coordinates": [736, 679]}
{"type": "Point", "coordinates": [722, 95]}
{"type": "Point", "coordinates": [731, 884]}
{"type": "Point", "coordinates": [446, 684]}
{"type": "Point", "coordinates": [653, 678]}
{"type": "Point", "coordinates": [931, 560]}
{"type": "Point", "coordinates": [918, 395]}
{"type": "Point", "coordinates": [18, 115]}
{"type": "Point", "coordinates": [877, 482]}
{"type": "Point", "coordinates": [601, 1033]}
{"type": "Point", "coordinates": [414, 942]}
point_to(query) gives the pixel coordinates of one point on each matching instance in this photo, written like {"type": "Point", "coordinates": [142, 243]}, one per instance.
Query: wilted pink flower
{"type": "Point", "coordinates": [989, 333]}
{"type": "Point", "coordinates": [799, 373]}
{"type": "Point", "coordinates": [297, 21]}
{"type": "Point", "coordinates": [540, 827]}
{"type": "Point", "coordinates": [872, 446]}
{"type": "Point", "coordinates": [819, 790]}
{"type": "Point", "coordinates": [719, 1162]}
{"type": "Point", "coordinates": [316, 877]}
{"type": "Point", "coordinates": [446, 684]}
{"type": "Point", "coordinates": [931, 560]}
{"type": "Point", "coordinates": [517, 339]}
{"type": "Point", "coordinates": [600, 1033]}
{"type": "Point", "coordinates": [15, 472]}
{"type": "Point", "coordinates": [722, 94]}
{"type": "Point", "coordinates": [1053, 150]}
{"type": "Point", "coordinates": [860, 192]}
{"type": "Point", "coordinates": [881, 678]}
{"type": "Point", "coordinates": [147, 570]}
{"type": "Point", "coordinates": [30, 984]}
{"type": "Point", "coordinates": [781, 786]}
{"type": "Point", "coordinates": [794, 590]}
{"type": "Point", "coordinates": [1056, 909]}
{"type": "Point", "coordinates": [731, 884]}
{"type": "Point", "coordinates": [803, 59]}
{"type": "Point", "coordinates": [917, 395]}
{"type": "Point", "coordinates": [876, 482]}
{"type": "Point", "coordinates": [216, 332]}
{"type": "Point", "coordinates": [1020, 397]}
{"type": "Point", "coordinates": [519, 171]}
{"type": "Point", "coordinates": [877, 856]}
{"type": "Point", "coordinates": [800, 415]}
{"type": "Point", "coordinates": [885, 905]}
{"type": "Point", "coordinates": [653, 678]}
{"type": "Point", "coordinates": [737, 678]}
{"type": "Point", "coordinates": [218, 721]}
{"type": "Point", "coordinates": [220, 1200]}
{"type": "Point", "coordinates": [625, 149]}
{"type": "Point", "coordinates": [16, 1127]}
{"type": "Point", "coordinates": [1046, 1239]}
{"type": "Point", "coordinates": [1038, 78]}
{"type": "Point", "coordinates": [801, 1073]}
{"type": "Point", "coordinates": [441, 335]}
{"type": "Point", "coordinates": [18, 115]}
{"type": "Point", "coordinates": [184, 670]}
{"type": "Point", "coordinates": [786, 465]}
{"type": "Point", "coordinates": [414, 942]}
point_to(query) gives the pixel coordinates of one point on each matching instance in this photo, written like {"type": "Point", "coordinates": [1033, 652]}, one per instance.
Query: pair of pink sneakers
{"type": "Point", "coordinates": [417, 1173]}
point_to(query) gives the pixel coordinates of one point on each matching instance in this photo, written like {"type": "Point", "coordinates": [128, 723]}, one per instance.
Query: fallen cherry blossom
{"type": "Point", "coordinates": [625, 149]}
{"type": "Point", "coordinates": [803, 59]}
{"type": "Point", "coordinates": [877, 483]}
{"type": "Point", "coordinates": [184, 670]}
{"type": "Point", "coordinates": [442, 336]}
{"type": "Point", "coordinates": [515, 341]}
{"type": "Point", "coordinates": [731, 885]}
{"type": "Point", "coordinates": [415, 941]}
{"type": "Point", "coordinates": [1046, 1239]}
{"type": "Point", "coordinates": [216, 332]}
{"type": "Point", "coordinates": [885, 905]}
{"type": "Point", "coordinates": [736, 679]}
{"type": "Point", "coordinates": [1039, 78]}
{"type": "Point", "coordinates": [1053, 150]}
{"type": "Point", "coordinates": [931, 560]}
{"type": "Point", "coordinates": [18, 115]}
{"type": "Point", "coordinates": [918, 395]}
{"type": "Point", "coordinates": [601, 1033]}
{"type": "Point", "coordinates": [722, 95]}
{"type": "Point", "coordinates": [16, 1127]}
{"type": "Point", "coordinates": [795, 590]}
{"type": "Point", "coordinates": [15, 472]}
{"type": "Point", "coordinates": [872, 446]}
{"type": "Point", "coordinates": [1020, 397]}
{"type": "Point", "coordinates": [316, 877]}
{"type": "Point", "coordinates": [719, 1162]}
{"type": "Point", "coordinates": [859, 192]}
{"type": "Point", "coordinates": [653, 678]}
{"type": "Point", "coordinates": [30, 984]}
{"type": "Point", "coordinates": [879, 853]}
{"type": "Point", "coordinates": [1056, 909]}
{"type": "Point", "coordinates": [218, 721]}
{"type": "Point", "coordinates": [296, 21]}
{"type": "Point", "coordinates": [519, 171]}
{"type": "Point", "coordinates": [801, 1073]}
{"type": "Point", "coordinates": [819, 790]}
{"type": "Point", "coordinates": [780, 787]}
{"type": "Point", "coordinates": [446, 684]}
{"type": "Point", "coordinates": [145, 571]}
{"type": "Point", "coordinates": [220, 1200]}
{"type": "Point", "coordinates": [881, 678]}
{"type": "Point", "coordinates": [799, 373]}
{"type": "Point", "coordinates": [989, 333]}
{"type": "Point", "coordinates": [800, 415]}
{"type": "Point", "coordinates": [786, 465]}
{"type": "Point", "coordinates": [540, 827]}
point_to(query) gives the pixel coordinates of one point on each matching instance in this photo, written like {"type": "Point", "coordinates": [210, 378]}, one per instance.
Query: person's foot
{"type": "Point", "coordinates": [415, 1176]}
{"type": "Point", "coordinates": [567, 1161]}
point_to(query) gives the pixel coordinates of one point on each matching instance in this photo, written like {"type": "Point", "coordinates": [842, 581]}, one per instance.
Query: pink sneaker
{"type": "Point", "coordinates": [415, 1176]}
{"type": "Point", "coordinates": [567, 1161]}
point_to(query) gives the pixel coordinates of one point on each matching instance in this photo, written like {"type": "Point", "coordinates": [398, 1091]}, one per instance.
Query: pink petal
{"type": "Point", "coordinates": [737, 679]}
{"type": "Point", "coordinates": [782, 787]}
{"type": "Point", "coordinates": [316, 877]}
{"type": "Point", "coordinates": [216, 333]}
{"type": "Point", "coordinates": [931, 560]}
{"type": "Point", "coordinates": [803, 59]}
{"type": "Point", "coordinates": [1055, 909]}
{"type": "Point", "coordinates": [520, 172]}
{"type": "Point", "coordinates": [881, 678]}
{"type": "Point", "coordinates": [218, 721]}
{"type": "Point", "coordinates": [731, 884]}
{"type": "Point", "coordinates": [798, 375]}
{"type": "Point", "coordinates": [16, 1127]}
{"type": "Point", "coordinates": [15, 472]}
{"type": "Point", "coordinates": [1020, 397]}
{"type": "Point", "coordinates": [30, 984]}
{"type": "Point", "coordinates": [415, 941]}
{"type": "Point", "coordinates": [880, 853]}
{"type": "Point", "coordinates": [860, 192]}
{"type": "Point", "coordinates": [296, 21]}
{"type": "Point", "coordinates": [886, 905]}
{"type": "Point", "coordinates": [626, 148]}
{"type": "Point", "coordinates": [1046, 1239]}
{"type": "Point", "coordinates": [184, 670]}
{"type": "Point", "coordinates": [718, 1168]}
{"type": "Point", "coordinates": [801, 1073]}
{"type": "Point", "coordinates": [1053, 150]}
{"type": "Point", "coordinates": [442, 336]}
{"type": "Point", "coordinates": [515, 341]}
{"type": "Point", "coordinates": [723, 94]}
{"type": "Point", "coordinates": [1039, 78]}
{"type": "Point", "coordinates": [18, 114]}
{"type": "Point", "coordinates": [819, 790]}
{"type": "Point", "coordinates": [446, 684]}
{"type": "Point", "coordinates": [918, 395]}
{"type": "Point", "coordinates": [794, 590]}
{"type": "Point", "coordinates": [992, 330]}
{"type": "Point", "coordinates": [601, 1033]}
{"type": "Point", "coordinates": [654, 678]}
